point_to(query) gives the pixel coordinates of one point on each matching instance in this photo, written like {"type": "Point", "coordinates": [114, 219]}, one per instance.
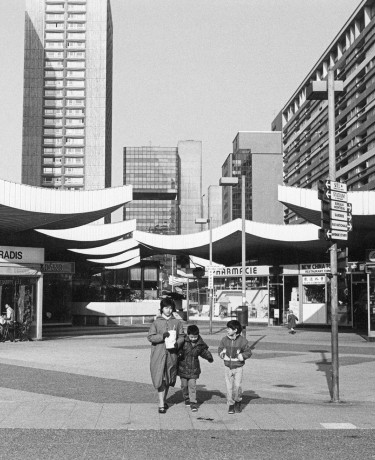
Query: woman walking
{"type": "Point", "coordinates": [166, 335]}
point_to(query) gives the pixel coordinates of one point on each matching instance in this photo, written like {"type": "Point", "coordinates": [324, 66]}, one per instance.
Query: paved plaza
{"type": "Point", "coordinates": [100, 383]}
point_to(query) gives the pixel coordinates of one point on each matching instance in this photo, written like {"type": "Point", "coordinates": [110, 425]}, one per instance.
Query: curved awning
{"type": "Point", "coordinates": [263, 241]}
{"type": "Point", "coordinates": [305, 203]}
{"type": "Point", "coordinates": [114, 248]}
{"type": "Point", "coordinates": [127, 264]}
{"type": "Point", "coordinates": [24, 207]}
{"type": "Point", "coordinates": [124, 257]}
{"type": "Point", "coordinates": [92, 233]}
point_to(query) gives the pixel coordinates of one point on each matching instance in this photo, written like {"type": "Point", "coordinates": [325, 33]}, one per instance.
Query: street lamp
{"type": "Point", "coordinates": [210, 280]}
{"type": "Point", "coordinates": [231, 182]}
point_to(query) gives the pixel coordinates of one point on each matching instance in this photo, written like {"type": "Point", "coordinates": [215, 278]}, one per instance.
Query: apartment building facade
{"type": "Point", "coordinates": [304, 122]}
{"type": "Point", "coordinates": [67, 113]}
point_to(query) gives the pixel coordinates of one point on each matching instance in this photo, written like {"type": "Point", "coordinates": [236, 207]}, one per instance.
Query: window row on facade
{"type": "Point", "coordinates": [60, 141]}
{"type": "Point", "coordinates": [65, 132]}
{"type": "Point", "coordinates": [77, 122]}
{"type": "Point", "coordinates": [62, 7]}
{"type": "Point", "coordinates": [59, 181]}
{"type": "Point", "coordinates": [58, 151]}
{"type": "Point", "coordinates": [65, 171]}
{"type": "Point", "coordinates": [60, 160]}
{"type": "Point", "coordinates": [60, 74]}
{"type": "Point", "coordinates": [62, 17]}
{"type": "Point", "coordinates": [59, 103]}
{"type": "Point", "coordinates": [81, 65]}
{"type": "Point", "coordinates": [60, 113]}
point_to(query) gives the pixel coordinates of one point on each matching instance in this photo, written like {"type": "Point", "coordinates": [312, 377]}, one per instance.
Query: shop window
{"type": "Point", "coordinates": [314, 293]}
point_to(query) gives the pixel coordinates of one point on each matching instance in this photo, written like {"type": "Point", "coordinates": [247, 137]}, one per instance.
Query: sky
{"type": "Point", "coordinates": [187, 70]}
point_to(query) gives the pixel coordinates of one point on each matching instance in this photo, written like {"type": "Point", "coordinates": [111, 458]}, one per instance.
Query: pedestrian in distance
{"type": "Point", "coordinates": [189, 368]}
{"type": "Point", "coordinates": [292, 322]}
{"type": "Point", "coordinates": [234, 350]}
{"type": "Point", "coordinates": [166, 335]}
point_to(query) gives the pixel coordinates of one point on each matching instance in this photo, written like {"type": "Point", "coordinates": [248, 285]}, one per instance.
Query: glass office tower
{"type": "Point", "coordinates": [167, 187]}
{"type": "Point", "coordinates": [167, 198]}
{"type": "Point", "coordinates": [67, 113]}
{"type": "Point", "coordinates": [154, 174]}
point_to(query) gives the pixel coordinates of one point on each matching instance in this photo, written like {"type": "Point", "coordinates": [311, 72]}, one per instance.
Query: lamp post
{"type": "Point", "coordinates": [327, 90]}
{"type": "Point", "coordinates": [231, 182]}
{"type": "Point", "coordinates": [210, 279]}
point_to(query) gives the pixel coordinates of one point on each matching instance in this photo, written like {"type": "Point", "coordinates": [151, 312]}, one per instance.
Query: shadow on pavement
{"type": "Point", "coordinates": [325, 366]}
{"type": "Point", "coordinates": [75, 386]}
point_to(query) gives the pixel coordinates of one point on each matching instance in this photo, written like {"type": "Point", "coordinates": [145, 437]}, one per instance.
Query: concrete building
{"type": "Point", "coordinates": [304, 122]}
{"type": "Point", "coordinates": [258, 156]}
{"type": "Point", "coordinates": [67, 113]}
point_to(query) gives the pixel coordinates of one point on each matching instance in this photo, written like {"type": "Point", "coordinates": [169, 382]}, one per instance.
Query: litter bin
{"type": "Point", "coordinates": [242, 314]}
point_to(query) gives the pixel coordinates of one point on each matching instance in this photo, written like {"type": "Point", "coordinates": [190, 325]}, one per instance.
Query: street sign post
{"type": "Point", "coordinates": [336, 214]}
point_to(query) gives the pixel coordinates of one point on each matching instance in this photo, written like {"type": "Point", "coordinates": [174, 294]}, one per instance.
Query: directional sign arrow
{"type": "Point", "coordinates": [350, 227]}
{"type": "Point", "coordinates": [340, 196]}
{"type": "Point", "coordinates": [337, 186]}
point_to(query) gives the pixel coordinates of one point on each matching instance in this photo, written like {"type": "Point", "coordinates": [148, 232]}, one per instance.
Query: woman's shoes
{"type": "Point", "coordinates": [163, 410]}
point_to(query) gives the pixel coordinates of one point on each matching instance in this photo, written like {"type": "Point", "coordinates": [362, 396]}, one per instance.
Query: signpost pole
{"type": "Point", "coordinates": [243, 245]}
{"type": "Point", "coordinates": [211, 289]}
{"type": "Point", "coordinates": [333, 248]}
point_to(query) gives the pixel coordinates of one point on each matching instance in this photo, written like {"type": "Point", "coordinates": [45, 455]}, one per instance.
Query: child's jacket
{"type": "Point", "coordinates": [292, 321]}
{"type": "Point", "coordinates": [188, 362]}
{"type": "Point", "coordinates": [233, 348]}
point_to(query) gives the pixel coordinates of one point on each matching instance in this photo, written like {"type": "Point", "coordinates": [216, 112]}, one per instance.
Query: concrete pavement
{"type": "Point", "coordinates": [102, 382]}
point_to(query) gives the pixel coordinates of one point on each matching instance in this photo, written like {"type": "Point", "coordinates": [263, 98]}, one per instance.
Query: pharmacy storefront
{"type": "Point", "coordinates": [21, 286]}
{"type": "Point", "coordinates": [227, 282]}
{"type": "Point", "coordinates": [271, 292]}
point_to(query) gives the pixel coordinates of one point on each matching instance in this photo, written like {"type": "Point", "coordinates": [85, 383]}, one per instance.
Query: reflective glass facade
{"type": "Point", "coordinates": [154, 174]}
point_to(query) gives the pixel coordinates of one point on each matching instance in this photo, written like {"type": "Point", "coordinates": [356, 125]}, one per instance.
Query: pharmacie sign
{"type": "Point", "coordinates": [251, 270]}
{"type": "Point", "coordinates": [311, 269]}
{"type": "Point", "coordinates": [21, 255]}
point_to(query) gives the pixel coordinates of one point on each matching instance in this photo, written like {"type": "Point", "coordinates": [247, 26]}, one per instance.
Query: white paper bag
{"type": "Point", "coordinates": [171, 340]}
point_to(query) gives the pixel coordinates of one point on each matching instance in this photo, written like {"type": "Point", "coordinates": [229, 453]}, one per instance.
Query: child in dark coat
{"type": "Point", "coordinates": [188, 365]}
{"type": "Point", "coordinates": [292, 322]}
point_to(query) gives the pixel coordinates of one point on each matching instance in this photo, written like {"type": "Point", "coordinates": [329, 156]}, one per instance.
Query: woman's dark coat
{"type": "Point", "coordinates": [163, 363]}
{"type": "Point", "coordinates": [188, 363]}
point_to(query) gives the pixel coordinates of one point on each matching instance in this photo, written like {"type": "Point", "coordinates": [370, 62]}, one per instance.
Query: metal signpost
{"type": "Point", "coordinates": [334, 199]}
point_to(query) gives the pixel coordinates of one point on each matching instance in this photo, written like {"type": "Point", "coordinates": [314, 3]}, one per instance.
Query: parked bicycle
{"type": "Point", "coordinates": [13, 331]}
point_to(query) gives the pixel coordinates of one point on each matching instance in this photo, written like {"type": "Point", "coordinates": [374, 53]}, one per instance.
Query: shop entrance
{"type": "Point", "coordinates": [291, 296]}
{"type": "Point", "coordinates": [360, 302]}
{"type": "Point", "coordinates": [19, 294]}
{"type": "Point", "coordinates": [275, 289]}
